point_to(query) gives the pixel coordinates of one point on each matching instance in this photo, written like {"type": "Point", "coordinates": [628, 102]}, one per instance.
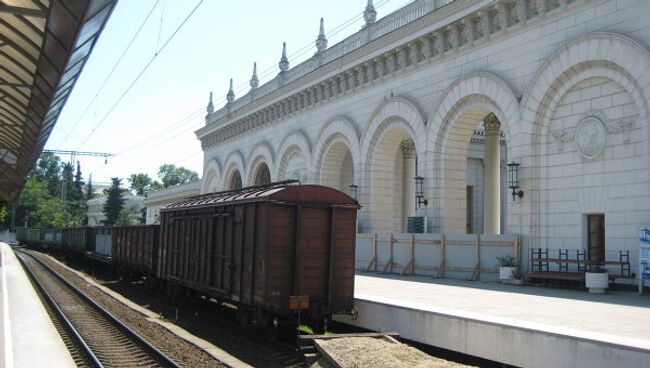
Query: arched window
{"type": "Point", "coordinates": [263, 175]}
{"type": "Point", "coordinates": [235, 180]}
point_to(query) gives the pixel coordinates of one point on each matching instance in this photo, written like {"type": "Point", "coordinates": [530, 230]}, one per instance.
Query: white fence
{"type": "Point", "coordinates": [456, 256]}
{"type": "Point", "coordinates": [7, 237]}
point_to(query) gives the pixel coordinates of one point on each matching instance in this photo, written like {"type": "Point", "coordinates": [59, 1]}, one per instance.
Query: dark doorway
{"type": "Point", "coordinates": [596, 237]}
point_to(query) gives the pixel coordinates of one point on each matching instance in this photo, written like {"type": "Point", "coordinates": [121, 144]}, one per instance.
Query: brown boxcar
{"type": "Point", "coordinates": [258, 246]}
{"type": "Point", "coordinates": [76, 240]}
{"type": "Point", "coordinates": [136, 248]}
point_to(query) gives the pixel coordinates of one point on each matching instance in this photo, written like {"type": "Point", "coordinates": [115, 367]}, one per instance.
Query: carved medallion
{"type": "Point", "coordinates": [590, 137]}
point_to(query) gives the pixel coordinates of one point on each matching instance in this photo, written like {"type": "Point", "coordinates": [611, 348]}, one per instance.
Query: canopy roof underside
{"type": "Point", "coordinates": [44, 45]}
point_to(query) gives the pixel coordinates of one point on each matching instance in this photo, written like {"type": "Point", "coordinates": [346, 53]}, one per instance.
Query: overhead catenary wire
{"type": "Point", "coordinates": [153, 58]}
{"type": "Point", "coordinates": [307, 48]}
{"type": "Point", "coordinates": [152, 140]}
{"type": "Point", "coordinates": [108, 77]}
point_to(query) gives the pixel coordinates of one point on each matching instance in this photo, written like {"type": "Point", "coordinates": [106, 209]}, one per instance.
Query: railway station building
{"type": "Point", "coordinates": [479, 117]}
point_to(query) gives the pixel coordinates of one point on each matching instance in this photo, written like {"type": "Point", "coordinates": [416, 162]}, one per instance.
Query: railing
{"type": "Point", "coordinates": [390, 23]}
{"type": "Point", "coordinates": [456, 256]}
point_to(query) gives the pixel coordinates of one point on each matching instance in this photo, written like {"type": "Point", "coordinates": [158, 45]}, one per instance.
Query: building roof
{"type": "Point", "coordinates": [174, 193]}
{"type": "Point", "coordinates": [44, 45]}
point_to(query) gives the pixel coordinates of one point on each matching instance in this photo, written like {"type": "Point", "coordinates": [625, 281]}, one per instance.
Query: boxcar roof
{"type": "Point", "coordinates": [281, 192]}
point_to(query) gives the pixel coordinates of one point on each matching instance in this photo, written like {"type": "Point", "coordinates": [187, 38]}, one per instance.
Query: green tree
{"type": "Point", "coordinates": [48, 168]}
{"type": "Point", "coordinates": [124, 217]}
{"type": "Point", "coordinates": [170, 175]}
{"type": "Point", "coordinates": [78, 193]}
{"type": "Point", "coordinates": [40, 202]}
{"type": "Point", "coordinates": [67, 177]}
{"type": "Point", "coordinates": [4, 215]}
{"type": "Point", "coordinates": [89, 188]}
{"type": "Point", "coordinates": [28, 211]}
{"type": "Point", "coordinates": [140, 184]}
{"type": "Point", "coordinates": [114, 201]}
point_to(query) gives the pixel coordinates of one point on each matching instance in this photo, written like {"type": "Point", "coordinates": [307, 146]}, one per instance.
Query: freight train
{"type": "Point", "coordinates": [272, 251]}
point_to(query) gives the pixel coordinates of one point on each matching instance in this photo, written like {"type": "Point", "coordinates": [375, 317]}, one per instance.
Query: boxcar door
{"type": "Point", "coordinates": [236, 253]}
{"type": "Point", "coordinates": [220, 253]}
{"type": "Point", "coordinates": [248, 253]}
{"type": "Point", "coordinates": [313, 254]}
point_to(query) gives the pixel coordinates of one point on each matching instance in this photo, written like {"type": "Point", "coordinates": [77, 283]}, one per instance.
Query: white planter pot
{"type": "Point", "coordinates": [597, 282]}
{"type": "Point", "coordinates": [505, 273]}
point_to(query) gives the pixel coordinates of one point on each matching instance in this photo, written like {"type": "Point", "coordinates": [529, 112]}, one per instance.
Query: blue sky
{"type": "Point", "coordinates": [154, 122]}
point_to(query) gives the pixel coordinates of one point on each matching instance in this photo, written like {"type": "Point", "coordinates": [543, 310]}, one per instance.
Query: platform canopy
{"type": "Point", "coordinates": [44, 45]}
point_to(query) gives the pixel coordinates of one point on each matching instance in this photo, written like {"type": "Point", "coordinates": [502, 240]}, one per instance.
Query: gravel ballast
{"type": "Point", "coordinates": [368, 352]}
{"type": "Point", "coordinates": [181, 351]}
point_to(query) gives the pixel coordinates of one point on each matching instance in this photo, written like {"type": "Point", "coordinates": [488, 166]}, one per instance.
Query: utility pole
{"type": "Point", "coordinates": [73, 156]}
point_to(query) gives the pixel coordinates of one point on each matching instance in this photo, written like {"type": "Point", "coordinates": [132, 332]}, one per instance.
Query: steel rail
{"type": "Point", "coordinates": [62, 317]}
{"type": "Point", "coordinates": [152, 350]}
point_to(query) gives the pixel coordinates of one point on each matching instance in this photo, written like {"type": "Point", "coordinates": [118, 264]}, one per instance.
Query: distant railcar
{"type": "Point", "coordinates": [257, 246]}
{"type": "Point", "coordinates": [47, 238]}
{"type": "Point", "coordinates": [76, 240]}
{"type": "Point", "coordinates": [135, 248]}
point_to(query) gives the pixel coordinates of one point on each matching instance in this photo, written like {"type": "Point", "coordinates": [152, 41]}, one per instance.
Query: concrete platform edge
{"type": "Point", "coordinates": [489, 339]}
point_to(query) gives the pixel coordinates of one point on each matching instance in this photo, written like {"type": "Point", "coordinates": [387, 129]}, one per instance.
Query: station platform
{"type": "Point", "coordinates": [523, 326]}
{"type": "Point", "coordinates": [27, 336]}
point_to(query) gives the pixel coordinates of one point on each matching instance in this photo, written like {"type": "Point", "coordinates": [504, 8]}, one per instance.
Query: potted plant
{"type": "Point", "coordinates": [597, 279]}
{"type": "Point", "coordinates": [506, 264]}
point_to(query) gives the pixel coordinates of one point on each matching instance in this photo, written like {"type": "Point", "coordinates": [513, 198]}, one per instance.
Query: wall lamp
{"type": "Point", "coordinates": [354, 191]}
{"type": "Point", "coordinates": [419, 191]}
{"type": "Point", "coordinates": [513, 180]}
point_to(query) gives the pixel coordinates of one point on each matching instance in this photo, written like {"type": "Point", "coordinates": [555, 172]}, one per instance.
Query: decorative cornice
{"type": "Point", "coordinates": [470, 30]}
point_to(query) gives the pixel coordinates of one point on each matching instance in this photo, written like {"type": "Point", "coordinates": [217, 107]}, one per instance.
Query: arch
{"type": "Point", "coordinates": [394, 109]}
{"type": "Point", "coordinates": [234, 163]}
{"type": "Point", "coordinates": [261, 153]}
{"type": "Point", "coordinates": [261, 174]}
{"type": "Point", "coordinates": [211, 176]}
{"type": "Point", "coordinates": [465, 103]}
{"type": "Point", "coordinates": [480, 89]}
{"type": "Point", "coordinates": [617, 50]}
{"type": "Point", "coordinates": [389, 168]}
{"type": "Point", "coordinates": [294, 146]}
{"type": "Point", "coordinates": [338, 130]}
{"type": "Point", "coordinates": [597, 55]}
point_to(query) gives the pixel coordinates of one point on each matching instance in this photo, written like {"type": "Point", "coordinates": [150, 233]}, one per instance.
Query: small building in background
{"type": "Point", "coordinates": [161, 198]}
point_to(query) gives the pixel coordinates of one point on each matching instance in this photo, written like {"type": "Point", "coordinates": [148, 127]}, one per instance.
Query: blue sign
{"type": "Point", "coordinates": [644, 253]}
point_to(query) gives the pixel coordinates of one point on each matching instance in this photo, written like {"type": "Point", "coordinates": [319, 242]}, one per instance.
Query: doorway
{"type": "Point", "coordinates": [596, 237]}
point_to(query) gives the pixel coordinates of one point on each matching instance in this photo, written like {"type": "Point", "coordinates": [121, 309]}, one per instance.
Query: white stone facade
{"type": "Point", "coordinates": [569, 82]}
{"type": "Point", "coordinates": [161, 198]}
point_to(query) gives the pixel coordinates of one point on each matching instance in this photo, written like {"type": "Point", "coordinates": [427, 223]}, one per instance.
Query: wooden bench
{"type": "Point", "coordinates": [540, 265]}
{"type": "Point", "coordinates": [556, 275]}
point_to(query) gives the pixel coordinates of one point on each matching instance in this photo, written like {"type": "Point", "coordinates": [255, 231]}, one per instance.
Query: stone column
{"type": "Point", "coordinates": [408, 199]}
{"type": "Point", "coordinates": [491, 193]}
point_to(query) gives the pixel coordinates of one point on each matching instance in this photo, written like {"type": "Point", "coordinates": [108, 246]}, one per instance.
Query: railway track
{"type": "Point", "coordinates": [105, 341]}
